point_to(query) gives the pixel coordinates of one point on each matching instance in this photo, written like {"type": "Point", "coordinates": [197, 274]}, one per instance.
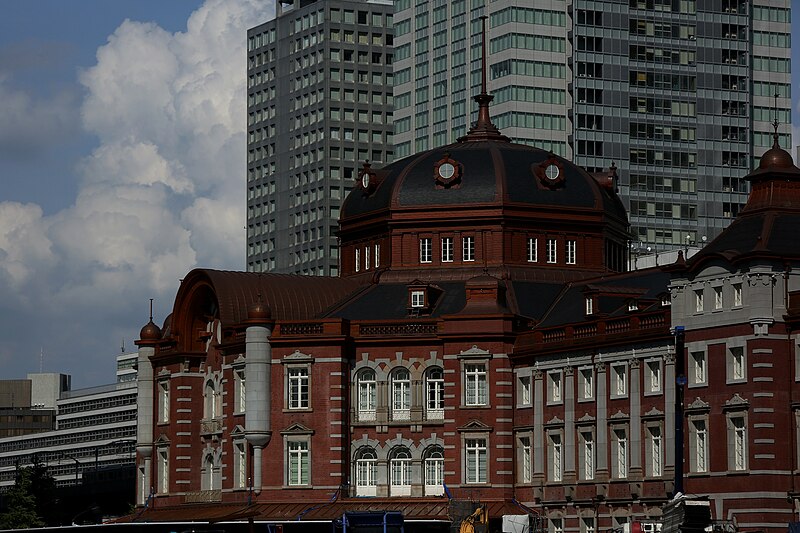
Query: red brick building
{"type": "Point", "coordinates": [483, 340]}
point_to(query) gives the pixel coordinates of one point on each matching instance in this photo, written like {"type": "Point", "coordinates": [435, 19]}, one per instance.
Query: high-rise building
{"type": "Point", "coordinates": [679, 94]}
{"type": "Point", "coordinates": [319, 106]}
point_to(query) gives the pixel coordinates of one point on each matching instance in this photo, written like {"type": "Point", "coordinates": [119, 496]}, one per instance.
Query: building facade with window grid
{"type": "Point", "coordinates": [319, 104]}
{"type": "Point", "coordinates": [680, 94]}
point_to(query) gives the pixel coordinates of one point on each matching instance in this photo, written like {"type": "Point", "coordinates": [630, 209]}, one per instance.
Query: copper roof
{"type": "Point", "coordinates": [428, 509]}
{"type": "Point", "coordinates": [288, 296]}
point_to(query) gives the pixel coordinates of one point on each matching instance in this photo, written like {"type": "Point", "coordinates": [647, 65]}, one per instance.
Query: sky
{"type": "Point", "coordinates": [122, 164]}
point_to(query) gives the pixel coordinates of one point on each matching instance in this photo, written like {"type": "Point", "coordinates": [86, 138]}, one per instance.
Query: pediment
{"type": "Point", "coordinates": [161, 440]}
{"type": "Point", "coordinates": [475, 425]}
{"type": "Point", "coordinates": [619, 415]}
{"type": "Point", "coordinates": [555, 421]}
{"type": "Point", "coordinates": [475, 352]}
{"type": "Point", "coordinates": [653, 413]}
{"type": "Point", "coordinates": [586, 419]}
{"type": "Point", "coordinates": [297, 357]}
{"type": "Point", "coordinates": [237, 431]}
{"type": "Point", "coordinates": [698, 405]}
{"type": "Point", "coordinates": [736, 402]}
{"type": "Point", "coordinates": [297, 429]}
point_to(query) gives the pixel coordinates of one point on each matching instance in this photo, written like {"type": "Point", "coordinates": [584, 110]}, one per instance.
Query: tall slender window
{"type": "Point", "coordinates": [556, 457]}
{"type": "Point", "coordinates": [698, 445]}
{"type": "Point", "coordinates": [698, 362]}
{"type": "Point", "coordinates": [525, 390]}
{"type": "Point", "coordinates": [621, 453]}
{"type": "Point", "coordinates": [552, 254]}
{"type": "Point", "coordinates": [698, 301]}
{"type": "Point", "coordinates": [241, 391]}
{"type": "Point", "coordinates": [533, 250]}
{"type": "Point", "coordinates": [240, 464]}
{"type": "Point", "coordinates": [298, 388]}
{"type": "Point", "coordinates": [377, 255]}
{"type": "Point", "coordinates": [163, 471]}
{"type": "Point", "coordinates": [525, 461]}
{"type": "Point", "coordinates": [367, 263]}
{"type": "Point", "coordinates": [163, 401]}
{"type": "Point", "coordinates": [434, 392]}
{"type": "Point", "coordinates": [468, 248]}
{"type": "Point", "coordinates": [447, 249]}
{"type": "Point", "coordinates": [737, 294]}
{"type": "Point", "coordinates": [401, 394]}
{"type": "Point", "coordinates": [400, 473]}
{"type": "Point", "coordinates": [299, 463]}
{"type": "Point", "coordinates": [366, 395]}
{"type": "Point", "coordinates": [586, 464]}
{"type": "Point", "coordinates": [738, 434]}
{"type": "Point", "coordinates": [434, 472]}
{"type": "Point", "coordinates": [476, 390]}
{"type": "Point", "coordinates": [654, 452]}
{"type": "Point", "coordinates": [571, 252]}
{"type": "Point", "coordinates": [654, 375]}
{"type": "Point", "coordinates": [425, 251]}
{"type": "Point", "coordinates": [210, 401]}
{"type": "Point", "coordinates": [366, 467]}
{"type": "Point", "coordinates": [358, 259]}
{"type": "Point", "coordinates": [476, 460]}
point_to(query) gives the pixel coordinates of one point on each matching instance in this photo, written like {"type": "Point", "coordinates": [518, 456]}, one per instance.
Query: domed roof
{"type": "Point", "coordinates": [483, 172]}
{"type": "Point", "coordinates": [776, 157]}
{"type": "Point", "coordinates": [150, 332]}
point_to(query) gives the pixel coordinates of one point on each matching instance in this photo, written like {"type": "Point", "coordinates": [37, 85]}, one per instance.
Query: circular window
{"type": "Point", "coordinates": [552, 172]}
{"type": "Point", "coordinates": [447, 171]}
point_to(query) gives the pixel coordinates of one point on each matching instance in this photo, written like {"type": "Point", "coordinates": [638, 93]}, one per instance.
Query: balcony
{"type": "Point", "coordinates": [211, 427]}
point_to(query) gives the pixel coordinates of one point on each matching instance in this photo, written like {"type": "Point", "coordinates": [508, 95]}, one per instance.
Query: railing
{"type": "Point", "coordinates": [397, 329]}
{"type": "Point", "coordinates": [301, 328]}
{"type": "Point", "coordinates": [603, 327]}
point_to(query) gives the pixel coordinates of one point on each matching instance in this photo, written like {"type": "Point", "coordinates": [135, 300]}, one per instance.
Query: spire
{"type": "Point", "coordinates": [775, 124]}
{"type": "Point", "coordinates": [483, 129]}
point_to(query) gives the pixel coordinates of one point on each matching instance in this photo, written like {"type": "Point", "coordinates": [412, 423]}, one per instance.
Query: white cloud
{"type": "Point", "coordinates": [163, 192]}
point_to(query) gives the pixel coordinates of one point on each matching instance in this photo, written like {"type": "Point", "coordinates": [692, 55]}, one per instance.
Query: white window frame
{"type": "Point", "coordinates": [698, 444]}
{"type": "Point", "coordinates": [737, 295]}
{"type": "Point", "coordinates": [619, 380]}
{"type": "Point", "coordinates": [699, 303]}
{"type": "Point", "coordinates": [210, 478]}
{"type": "Point", "coordinates": [401, 394]}
{"type": "Point", "coordinates": [400, 473]}
{"type": "Point", "coordinates": [587, 455]}
{"type": "Point", "coordinates": [434, 393]}
{"type": "Point", "coordinates": [736, 364]}
{"type": "Point", "coordinates": [555, 387]}
{"type": "Point", "coordinates": [532, 249]}
{"type": "Point", "coordinates": [366, 472]}
{"type": "Point", "coordinates": [425, 250]}
{"type": "Point", "coordinates": [476, 460]}
{"type": "Point", "coordinates": [589, 305]}
{"type": "Point", "coordinates": [358, 259]}
{"type": "Point", "coordinates": [718, 298]}
{"type": "Point", "coordinates": [240, 480]}
{"type": "Point", "coordinates": [163, 401]}
{"type": "Point", "coordinates": [212, 403]}
{"type": "Point", "coordinates": [366, 258]}
{"type": "Point", "coordinates": [525, 390]}
{"type": "Point", "coordinates": [698, 368]}
{"type": "Point", "coordinates": [619, 452]}
{"type": "Point", "coordinates": [476, 384]}
{"type": "Point", "coordinates": [298, 462]}
{"type": "Point", "coordinates": [555, 456]}
{"type": "Point", "coordinates": [377, 255]}
{"type": "Point", "coordinates": [468, 248]}
{"type": "Point", "coordinates": [447, 250]}
{"type": "Point", "coordinates": [240, 389]}
{"type": "Point", "coordinates": [587, 524]}
{"type": "Point", "coordinates": [585, 383]}
{"type": "Point", "coordinates": [525, 459]}
{"type": "Point", "coordinates": [654, 452]}
{"type": "Point", "coordinates": [571, 252]}
{"type": "Point", "coordinates": [366, 394]}
{"type": "Point", "coordinates": [298, 387]}
{"type": "Point", "coordinates": [417, 299]}
{"type": "Point", "coordinates": [654, 376]}
{"type": "Point", "coordinates": [433, 470]}
{"type": "Point", "coordinates": [552, 251]}
{"type": "Point", "coordinates": [162, 456]}
{"type": "Point", "coordinates": [737, 442]}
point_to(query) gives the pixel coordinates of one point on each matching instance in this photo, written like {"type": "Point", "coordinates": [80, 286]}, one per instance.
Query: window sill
{"type": "Point", "coordinates": [476, 406]}
{"type": "Point", "coordinates": [300, 410]}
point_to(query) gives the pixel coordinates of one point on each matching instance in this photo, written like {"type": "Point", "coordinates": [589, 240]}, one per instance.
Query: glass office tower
{"type": "Point", "coordinates": [319, 105]}
{"type": "Point", "coordinates": [678, 94]}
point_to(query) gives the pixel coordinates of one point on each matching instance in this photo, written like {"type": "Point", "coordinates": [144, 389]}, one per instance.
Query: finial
{"type": "Point", "coordinates": [483, 129]}
{"type": "Point", "coordinates": [775, 124]}
{"type": "Point", "coordinates": [151, 309]}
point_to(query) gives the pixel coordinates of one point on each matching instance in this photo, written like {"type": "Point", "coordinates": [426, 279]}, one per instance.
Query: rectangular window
{"type": "Point", "coordinates": [737, 443]}
{"type": "Point", "coordinates": [425, 251]}
{"type": "Point", "coordinates": [163, 401]}
{"type": "Point", "coordinates": [556, 458]}
{"type": "Point", "coordinates": [358, 259]}
{"type": "Point", "coordinates": [240, 464]}
{"type": "Point", "coordinates": [571, 252]}
{"type": "Point", "coordinates": [737, 294]}
{"type": "Point", "coordinates": [717, 297]}
{"type": "Point", "coordinates": [476, 460]}
{"type": "Point", "coordinates": [240, 391]}
{"type": "Point", "coordinates": [447, 249]}
{"type": "Point", "coordinates": [654, 376]}
{"type": "Point", "coordinates": [476, 386]}
{"type": "Point", "coordinates": [533, 250]}
{"type": "Point", "coordinates": [163, 471]}
{"type": "Point", "coordinates": [299, 467]}
{"type": "Point", "coordinates": [619, 380]}
{"type": "Point", "coordinates": [587, 525]}
{"type": "Point", "coordinates": [377, 255]}
{"type": "Point", "coordinates": [554, 392]}
{"type": "Point", "coordinates": [697, 362]}
{"type": "Point", "coordinates": [298, 388]}
{"type": "Point", "coordinates": [556, 525]}
{"type": "Point", "coordinates": [589, 305]}
{"type": "Point", "coordinates": [737, 369]}
{"type": "Point", "coordinates": [654, 452]}
{"type": "Point", "coordinates": [366, 258]}
{"type": "Point", "coordinates": [586, 458]}
{"type": "Point", "coordinates": [525, 461]}
{"type": "Point", "coordinates": [468, 248]}
{"type": "Point", "coordinates": [620, 454]}
{"type": "Point", "coordinates": [417, 299]}
{"type": "Point", "coordinates": [525, 390]}
{"type": "Point", "coordinates": [698, 301]}
{"type": "Point", "coordinates": [586, 383]}
{"type": "Point", "coordinates": [698, 445]}
{"type": "Point", "coordinates": [552, 255]}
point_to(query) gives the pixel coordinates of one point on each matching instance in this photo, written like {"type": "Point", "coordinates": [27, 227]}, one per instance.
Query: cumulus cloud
{"type": "Point", "coordinates": [161, 193]}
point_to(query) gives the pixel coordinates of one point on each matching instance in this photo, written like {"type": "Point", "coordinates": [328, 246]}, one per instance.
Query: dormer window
{"type": "Point", "coordinates": [417, 299]}
{"type": "Point", "coordinates": [666, 301]}
{"type": "Point", "coordinates": [422, 297]}
{"type": "Point", "coordinates": [589, 305]}
{"type": "Point", "coordinates": [633, 306]}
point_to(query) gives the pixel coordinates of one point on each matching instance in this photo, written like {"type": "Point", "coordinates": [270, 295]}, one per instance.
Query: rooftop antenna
{"type": "Point", "coordinates": [41, 360]}
{"type": "Point", "coordinates": [123, 345]}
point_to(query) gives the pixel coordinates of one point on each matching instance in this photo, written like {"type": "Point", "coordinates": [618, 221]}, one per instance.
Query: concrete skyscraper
{"type": "Point", "coordinates": [319, 106]}
{"type": "Point", "coordinates": [678, 94]}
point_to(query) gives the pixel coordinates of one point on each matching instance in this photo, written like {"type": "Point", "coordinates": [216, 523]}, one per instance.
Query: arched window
{"type": "Point", "coordinates": [366, 395]}
{"type": "Point", "coordinates": [400, 473]}
{"type": "Point", "coordinates": [401, 394]}
{"type": "Point", "coordinates": [434, 471]}
{"type": "Point", "coordinates": [210, 473]}
{"type": "Point", "coordinates": [434, 394]}
{"type": "Point", "coordinates": [210, 406]}
{"type": "Point", "coordinates": [366, 472]}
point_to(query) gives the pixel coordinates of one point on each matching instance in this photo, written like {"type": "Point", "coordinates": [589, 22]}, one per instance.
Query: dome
{"type": "Point", "coordinates": [470, 172]}
{"type": "Point", "coordinates": [150, 332]}
{"type": "Point", "coordinates": [259, 312]}
{"type": "Point", "coordinates": [776, 158]}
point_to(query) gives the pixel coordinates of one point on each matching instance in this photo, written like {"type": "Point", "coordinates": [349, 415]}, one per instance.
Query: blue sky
{"type": "Point", "coordinates": [122, 142]}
